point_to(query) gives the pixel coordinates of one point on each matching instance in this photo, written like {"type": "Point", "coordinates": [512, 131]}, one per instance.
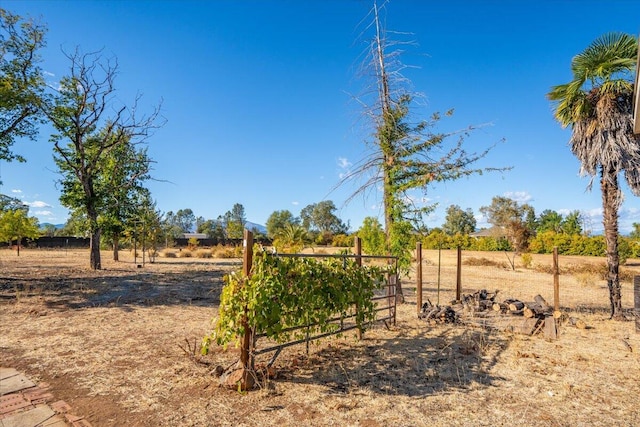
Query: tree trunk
{"type": "Point", "coordinates": [611, 199]}
{"type": "Point", "coordinates": [18, 245]}
{"type": "Point", "coordinates": [94, 234]}
{"type": "Point", "coordinates": [94, 248]}
{"type": "Point", "coordinates": [116, 243]}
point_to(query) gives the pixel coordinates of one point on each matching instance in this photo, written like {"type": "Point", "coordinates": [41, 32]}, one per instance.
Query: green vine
{"type": "Point", "coordinates": [283, 293]}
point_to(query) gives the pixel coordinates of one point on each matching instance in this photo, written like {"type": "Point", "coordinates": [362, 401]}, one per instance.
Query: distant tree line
{"type": "Point", "coordinates": [515, 227]}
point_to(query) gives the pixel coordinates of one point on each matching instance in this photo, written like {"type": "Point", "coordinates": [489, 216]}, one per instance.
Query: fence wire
{"type": "Point", "coordinates": [583, 286]}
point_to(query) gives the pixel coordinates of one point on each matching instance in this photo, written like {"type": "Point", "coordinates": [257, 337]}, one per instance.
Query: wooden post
{"type": "Point", "coordinates": [636, 300]}
{"type": "Point", "coordinates": [556, 281]}
{"type": "Point", "coordinates": [459, 275]}
{"type": "Point", "coordinates": [418, 277]}
{"type": "Point", "coordinates": [439, 271]}
{"type": "Point", "coordinates": [358, 250]}
{"type": "Point", "coordinates": [247, 379]}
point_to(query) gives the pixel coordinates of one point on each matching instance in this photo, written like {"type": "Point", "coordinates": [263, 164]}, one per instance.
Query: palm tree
{"type": "Point", "coordinates": [598, 105]}
{"type": "Point", "coordinates": [291, 237]}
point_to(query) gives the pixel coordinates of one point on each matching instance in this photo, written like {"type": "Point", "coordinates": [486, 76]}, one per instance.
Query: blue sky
{"type": "Point", "coordinates": [256, 95]}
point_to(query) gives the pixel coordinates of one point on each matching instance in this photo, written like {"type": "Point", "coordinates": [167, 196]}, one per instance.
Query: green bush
{"type": "Point", "coordinates": [193, 243]}
{"type": "Point", "coordinates": [286, 293]}
{"type": "Point", "coordinates": [575, 244]}
{"type": "Point", "coordinates": [372, 236]}
{"type": "Point", "coordinates": [490, 244]}
{"type": "Point", "coordinates": [343, 240]}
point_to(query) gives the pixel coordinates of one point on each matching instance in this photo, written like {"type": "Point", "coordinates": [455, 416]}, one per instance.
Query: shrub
{"type": "Point", "coordinates": [483, 262]}
{"type": "Point", "coordinates": [284, 245]}
{"type": "Point", "coordinates": [526, 260]}
{"type": "Point", "coordinates": [324, 238]}
{"type": "Point", "coordinates": [186, 253]}
{"type": "Point", "coordinates": [489, 244]}
{"type": "Point", "coordinates": [586, 279]}
{"type": "Point", "coordinates": [193, 243]}
{"type": "Point", "coordinates": [343, 240]}
{"type": "Point", "coordinates": [372, 236]}
{"type": "Point", "coordinates": [168, 254]}
{"type": "Point", "coordinates": [284, 294]}
{"type": "Point", "coordinates": [227, 251]}
{"type": "Point", "coordinates": [436, 239]}
{"type": "Point", "coordinates": [204, 253]}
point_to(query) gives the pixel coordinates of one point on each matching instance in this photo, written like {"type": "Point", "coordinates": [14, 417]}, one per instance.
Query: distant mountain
{"type": "Point", "coordinates": [47, 224]}
{"type": "Point", "coordinates": [251, 225]}
{"type": "Point", "coordinates": [248, 225]}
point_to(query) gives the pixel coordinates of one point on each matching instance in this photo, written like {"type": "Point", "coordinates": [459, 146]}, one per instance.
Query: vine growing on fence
{"type": "Point", "coordinates": [282, 293]}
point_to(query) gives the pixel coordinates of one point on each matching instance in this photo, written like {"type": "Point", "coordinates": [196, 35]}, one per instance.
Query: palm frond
{"type": "Point", "coordinates": [609, 54]}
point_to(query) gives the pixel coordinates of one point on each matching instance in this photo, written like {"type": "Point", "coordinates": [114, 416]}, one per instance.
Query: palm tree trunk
{"type": "Point", "coordinates": [610, 204]}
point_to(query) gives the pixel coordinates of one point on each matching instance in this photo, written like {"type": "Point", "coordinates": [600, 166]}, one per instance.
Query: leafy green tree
{"type": "Point", "coordinates": [76, 225]}
{"type": "Point", "coordinates": [150, 218]}
{"type": "Point", "coordinates": [11, 203]}
{"type": "Point", "coordinates": [372, 235]}
{"type": "Point", "coordinates": [510, 216]}
{"type": "Point", "coordinates": [234, 221]}
{"type": "Point", "coordinates": [306, 217]}
{"type": "Point", "coordinates": [459, 221]}
{"type": "Point", "coordinates": [319, 219]}
{"type": "Point", "coordinates": [185, 220]}
{"type": "Point", "coordinates": [15, 224]}
{"type": "Point", "coordinates": [530, 220]}
{"type": "Point", "coordinates": [635, 233]}
{"type": "Point", "coordinates": [121, 185]}
{"type": "Point", "coordinates": [48, 230]}
{"type": "Point", "coordinates": [199, 221]}
{"type": "Point", "coordinates": [598, 106]}
{"type": "Point", "coordinates": [84, 135]}
{"type": "Point", "coordinates": [171, 226]}
{"type": "Point", "coordinates": [550, 221]}
{"type": "Point", "coordinates": [214, 229]}
{"type": "Point", "coordinates": [21, 80]}
{"type": "Point", "coordinates": [406, 156]}
{"type": "Point", "coordinates": [278, 220]}
{"type": "Point", "coordinates": [572, 223]}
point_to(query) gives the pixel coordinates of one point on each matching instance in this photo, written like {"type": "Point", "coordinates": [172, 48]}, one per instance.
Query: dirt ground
{"type": "Point", "coordinates": [117, 345]}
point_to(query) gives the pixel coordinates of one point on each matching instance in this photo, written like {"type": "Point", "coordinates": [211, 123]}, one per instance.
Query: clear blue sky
{"type": "Point", "coordinates": [256, 97]}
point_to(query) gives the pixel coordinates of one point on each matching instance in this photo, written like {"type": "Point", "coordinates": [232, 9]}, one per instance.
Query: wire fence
{"type": "Point", "coordinates": [583, 286]}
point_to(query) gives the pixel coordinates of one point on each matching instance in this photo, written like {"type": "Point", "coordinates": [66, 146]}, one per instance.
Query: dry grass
{"type": "Point", "coordinates": [168, 253]}
{"type": "Point", "coordinates": [185, 253]}
{"type": "Point", "coordinates": [484, 262]}
{"type": "Point", "coordinates": [227, 252]}
{"type": "Point", "coordinates": [113, 344]}
{"type": "Point", "coordinates": [204, 253]}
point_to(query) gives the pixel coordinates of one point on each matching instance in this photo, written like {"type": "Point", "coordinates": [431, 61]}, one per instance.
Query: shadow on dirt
{"type": "Point", "coordinates": [198, 287]}
{"type": "Point", "coordinates": [456, 357]}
